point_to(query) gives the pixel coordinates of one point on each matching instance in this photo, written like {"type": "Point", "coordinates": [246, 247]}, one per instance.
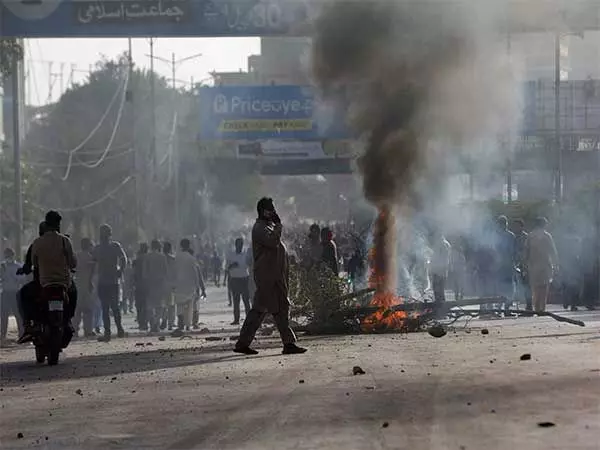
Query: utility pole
{"type": "Point", "coordinates": [174, 63]}
{"type": "Point", "coordinates": [557, 132]}
{"type": "Point", "coordinates": [508, 143]}
{"type": "Point", "coordinates": [16, 129]}
{"type": "Point", "coordinates": [136, 171]}
{"type": "Point", "coordinates": [153, 106]}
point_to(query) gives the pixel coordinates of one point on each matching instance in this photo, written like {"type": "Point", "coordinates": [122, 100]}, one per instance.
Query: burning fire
{"type": "Point", "coordinates": [383, 274]}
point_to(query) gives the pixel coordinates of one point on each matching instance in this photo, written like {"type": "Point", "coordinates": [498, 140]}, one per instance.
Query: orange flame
{"type": "Point", "coordinates": [382, 276]}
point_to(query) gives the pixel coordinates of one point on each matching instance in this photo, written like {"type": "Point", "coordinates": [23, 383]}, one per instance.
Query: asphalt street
{"type": "Point", "coordinates": [467, 390]}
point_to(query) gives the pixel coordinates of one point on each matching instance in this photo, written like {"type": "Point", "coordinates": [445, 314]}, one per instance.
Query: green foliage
{"type": "Point", "coordinates": [315, 295]}
{"type": "Point", "coordinates": [9, 48]}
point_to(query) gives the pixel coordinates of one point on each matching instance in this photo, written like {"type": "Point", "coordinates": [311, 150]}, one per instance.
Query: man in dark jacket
{"type": "Point", "coordinates": [271, 274]}
{"type": "Point", "coordinates": [329, 255]}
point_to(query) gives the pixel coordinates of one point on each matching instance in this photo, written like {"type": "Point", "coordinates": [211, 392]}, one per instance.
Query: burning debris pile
{"type": "Point", "coordinates": [417, 80]}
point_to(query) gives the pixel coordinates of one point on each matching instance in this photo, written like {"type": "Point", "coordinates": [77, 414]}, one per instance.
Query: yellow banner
{"type": "Point", "coordinates": [244, 125]}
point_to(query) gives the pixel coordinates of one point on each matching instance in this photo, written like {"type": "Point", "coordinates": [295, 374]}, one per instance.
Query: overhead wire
{"type": "Point", "coordinates": [88, 205]}
{"type": "Point", "coordinates": [122, 87]}
{"type": "Point", "coordinates": [75, 164]}
{"type": "Point", "coordinates": [114, 132]}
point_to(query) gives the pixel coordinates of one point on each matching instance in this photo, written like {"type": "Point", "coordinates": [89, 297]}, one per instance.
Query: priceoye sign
{"type": "Point", "coordinates": [168, 18]}
{"type": "Point", "coordinates": [267, 112]}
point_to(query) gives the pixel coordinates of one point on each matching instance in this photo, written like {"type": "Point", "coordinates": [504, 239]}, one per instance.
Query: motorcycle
{"type": "Point", "coordinates": [52, 331]}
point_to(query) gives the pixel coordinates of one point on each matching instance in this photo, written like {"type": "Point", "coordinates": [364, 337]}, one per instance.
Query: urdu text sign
{"type": "Point", "coordinates": [167, 18]}
{"type": "Point", "coordinates": [266, 112]}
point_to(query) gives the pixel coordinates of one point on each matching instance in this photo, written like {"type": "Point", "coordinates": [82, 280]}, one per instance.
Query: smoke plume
{"type": "Point", "coordinates": [422, 83]}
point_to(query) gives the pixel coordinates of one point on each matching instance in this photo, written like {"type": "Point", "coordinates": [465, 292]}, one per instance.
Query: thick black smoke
{"type": "Point", "coordinates": [422, 83]}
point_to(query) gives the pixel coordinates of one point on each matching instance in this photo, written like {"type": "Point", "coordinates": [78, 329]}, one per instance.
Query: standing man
{"type": "Point", "coordinates": [111, 261]}
{"type": "Point", "coordinates": [505, 252]}
{"type": "Point", "coordinates": [271, 275]}
{"type": "Point", "coordinates": [542, 262]}
{"type": "Point", "coordinates": [168, 318]}
{"type": "Point", "coordinates": [188, 285]}
{"type": "Point", "coordinates": [239, 276]}
{"type": "Point", "coordinates": [155, 275]}
{"type": "Point", "coordinates": [522, 278]}
{"type": "Point", "coordinates": [85, 289]}
{"type": "Point", "coordinates": [11, 283]}
{"type": "Point", "coordinates": [439, 267]}
{"type": "Point", "coordinates": [139, 287]}
{"type": "Point", "coordinates": [329, 254]}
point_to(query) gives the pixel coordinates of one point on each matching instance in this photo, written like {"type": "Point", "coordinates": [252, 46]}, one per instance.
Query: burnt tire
{"type": "Point", "coordinates": [40, 354]}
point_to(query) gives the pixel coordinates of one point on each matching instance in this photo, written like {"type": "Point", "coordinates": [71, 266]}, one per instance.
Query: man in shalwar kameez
{"type": "Point", "coordinates": [271, 274]}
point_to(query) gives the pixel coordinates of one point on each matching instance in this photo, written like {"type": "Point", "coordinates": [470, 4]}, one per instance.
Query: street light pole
{"type": "Point", "coordinates": [174, 63]}
{"type": "Point", "coordinates": [557, 132]}
{"type": "Point", "coordinates": [16, 129]}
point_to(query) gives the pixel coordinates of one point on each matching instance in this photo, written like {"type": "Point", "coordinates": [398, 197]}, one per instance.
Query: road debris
{"type": "Point", "coordinates": [357, 370]}
{"type": "Point", "coordinates": [485, 331]}
{"type": "Point", "coordinates": [525, 357]}
{"type": "Point", "coordinates": [19, 435]}
{"type": "Point", "coordinates": [78, 392]}
{"type": "Point", "coordinates": [437, 331]}
{"type": "Point", "coordinates": [385, 425]}
{"type": "Point", "coordinates": [546, 424]}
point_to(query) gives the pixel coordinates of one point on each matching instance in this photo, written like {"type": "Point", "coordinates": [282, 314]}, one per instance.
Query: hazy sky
{"type": "Point", "coordinates": [43, 83]}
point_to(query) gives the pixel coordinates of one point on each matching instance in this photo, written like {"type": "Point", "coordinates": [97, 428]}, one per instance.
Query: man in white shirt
{"type": "Point", "coordinates": [239, 276]}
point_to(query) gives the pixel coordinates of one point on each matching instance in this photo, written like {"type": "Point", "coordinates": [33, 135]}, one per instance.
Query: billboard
{"type": "Point", "coordinates": [281, 150]}
{"type": "Point", "coordinates": [140, 18]}
{"type": "Point", "coordinates": [267, 112]}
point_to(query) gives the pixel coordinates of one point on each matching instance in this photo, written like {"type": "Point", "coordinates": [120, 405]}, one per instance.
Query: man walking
{"type": "Point", "coordinates": [155, 276]}
{"type": "Point", "coordinates": [139, 287]}
{"type": "Point", "coordinates": [85, 289]}
{"type": "Point", "coordinates": [542, 263]}
{"type": "Point", "coordinates": [111, 261]}
{"type": "Point", "coordinates": [11, 283]}
{"type": "Point", "coordinates": [237, 267]}
{"type": "Point", "coordinates": [271, 275]}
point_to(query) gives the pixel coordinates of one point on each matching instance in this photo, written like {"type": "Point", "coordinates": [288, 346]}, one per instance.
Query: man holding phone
{"type": "Point", "coordinates": [271, 273]}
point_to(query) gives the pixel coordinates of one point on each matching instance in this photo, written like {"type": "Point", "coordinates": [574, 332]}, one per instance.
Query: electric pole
{"type": "Point", "coordinates": [16, 129]}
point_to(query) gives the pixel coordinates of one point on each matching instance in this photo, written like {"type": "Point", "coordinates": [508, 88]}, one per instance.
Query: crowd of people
{"type": "Point", "coordinates": [165, 286]}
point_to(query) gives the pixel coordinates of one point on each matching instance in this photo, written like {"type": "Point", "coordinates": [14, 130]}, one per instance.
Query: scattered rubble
{"type": "Point", "coordinates": [546, 424]}
{"type": "Point", "coordinates": [437, 331]}
{"type": "Point", "coordinates": [385, 425]}
{"type": "Point", "coordinates": [357, 370]}
{"type": "Point", "coordinates": [525, 357]}
{"type": "Point", "coordinates": [485, 331]}
{"type": "Point", "coordinates": [78, 392]}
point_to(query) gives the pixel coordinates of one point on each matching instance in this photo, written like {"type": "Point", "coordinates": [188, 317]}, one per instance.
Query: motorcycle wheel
{"type": "Point", "coordinates": [53, 356]}
{"type": "Point", "coordinates": [40, 354]}
{"type": "Point", "coordinates": [54, 345]}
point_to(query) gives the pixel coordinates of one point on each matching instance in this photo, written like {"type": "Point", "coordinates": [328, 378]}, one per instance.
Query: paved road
{"type": "Point", "coordinates": [466, 390]}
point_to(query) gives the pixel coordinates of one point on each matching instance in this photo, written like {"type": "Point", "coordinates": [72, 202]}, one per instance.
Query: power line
{"type": "Point", "coordinates": [88, 205]}
{"type": "Point", "coordinates": [114, 132]}
{"type": "Point", "coordinates": [75, 164]}
{"type": "Point", "coordinates": [99, 124]}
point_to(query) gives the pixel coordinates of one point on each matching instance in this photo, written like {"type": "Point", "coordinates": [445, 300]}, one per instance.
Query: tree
{"type": "Point", "coordinates": [9, 48]}
{"type": "Point", "coordinates": [86, 148]}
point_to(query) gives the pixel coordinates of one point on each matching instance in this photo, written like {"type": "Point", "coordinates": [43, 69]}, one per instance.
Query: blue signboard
{"type": "Point", "coordinates": [267, 112]}
{"type": "Point", "coordinates": [139, 18]}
